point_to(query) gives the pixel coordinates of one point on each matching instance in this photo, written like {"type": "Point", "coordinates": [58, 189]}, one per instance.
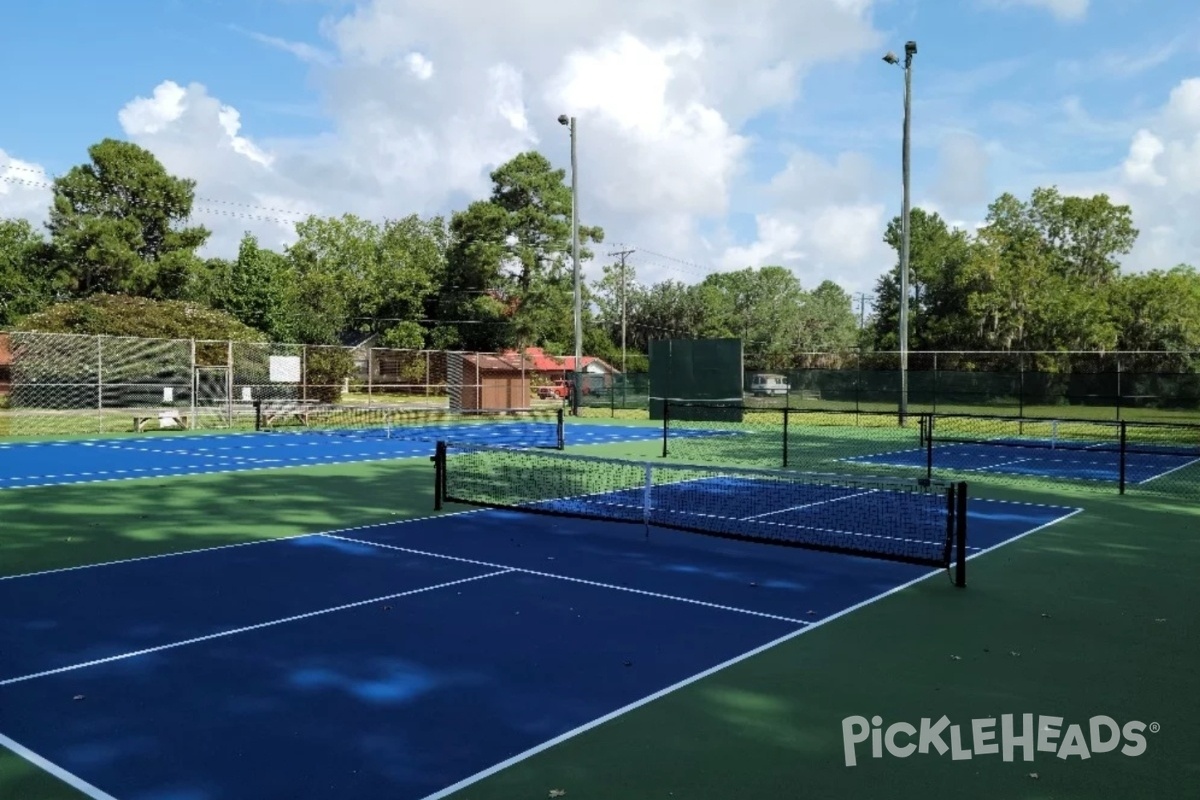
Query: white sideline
{"type": "Point", "coordinates": [571, 734]}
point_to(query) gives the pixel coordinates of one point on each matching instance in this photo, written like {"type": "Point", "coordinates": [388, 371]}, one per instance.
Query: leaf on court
{"type": "Point", "coordinates": [1014, 653]}
{"type": "Point", "coordinates": [77, 697]}
{"type": "Point", "coordinates": [1161, 620]}
{"type": "Point", "coordinates": [557, 792]}
{"type": "Point", "coordinates": [956, 658]}
{"type": "Point", "coordinates": [1045, 616]}
{"type": "Point", "coordinates": [1033, 775]}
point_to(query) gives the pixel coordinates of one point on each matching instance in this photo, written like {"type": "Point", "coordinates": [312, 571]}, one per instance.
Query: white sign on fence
{"type": "Point", "coordinates": [285, 369]}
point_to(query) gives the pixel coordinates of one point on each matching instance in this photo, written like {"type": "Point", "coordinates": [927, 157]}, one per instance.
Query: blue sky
{"type": "Point", "coordinates": [335, 117]}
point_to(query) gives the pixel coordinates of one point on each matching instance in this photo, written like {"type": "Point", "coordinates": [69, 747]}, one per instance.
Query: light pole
{"type": "Point", "coordinates": [563, 119]}
{"type": "Point", "coordinates": [910, 49]}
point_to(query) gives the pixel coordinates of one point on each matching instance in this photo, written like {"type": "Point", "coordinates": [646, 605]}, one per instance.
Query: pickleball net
{"type": "Point", "coordinates": [916, 521]}
{"type": "Point", "coordinates": [1113, 436]}
{"type": "Point", "coordinates": [526, 427]}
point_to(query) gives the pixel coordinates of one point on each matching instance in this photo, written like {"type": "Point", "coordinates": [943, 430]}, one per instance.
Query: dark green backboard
{"type": "Point", "coordinates": [696, 370]}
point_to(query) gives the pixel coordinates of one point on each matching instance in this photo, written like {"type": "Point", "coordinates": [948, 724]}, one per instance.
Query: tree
{"type": "Point", "coordinates": [1159, 310]}
{"type": "Point", "coordinates": [1023, 291]}
{"type": "Point", "coordinates": [251, 287]}
{"type": "Point", "coordinates": [115, 225]}
{"type": "Point", "coordinates": [350, 275]}
{"type": "Point", "coordinates": [828, 320]}
{"type": "Point", "coordinates": [120, 315]}
{"type": "Point", "coordinates": [1083, 234]}
{"type": "Point", "coordinates": [937, 257]}
{"type": "Point", "coordinates": [508, 265]}
{"type": "Point", "coordinates": [25, 280]}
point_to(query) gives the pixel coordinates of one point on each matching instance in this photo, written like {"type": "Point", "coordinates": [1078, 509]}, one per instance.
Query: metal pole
{"type": "Point", "coordinates": [910, 48]}
{"type": "Point", "coordinates": [575, 263]}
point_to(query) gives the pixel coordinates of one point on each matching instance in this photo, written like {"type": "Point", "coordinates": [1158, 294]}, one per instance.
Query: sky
{"type": "Point", "coordinates": [712, 135]}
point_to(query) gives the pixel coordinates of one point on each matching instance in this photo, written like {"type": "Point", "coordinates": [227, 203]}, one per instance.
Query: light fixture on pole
{"type": "Point", "coordinates": [563, 119]}
{"type": "Point", "coordinates": [910, 49]}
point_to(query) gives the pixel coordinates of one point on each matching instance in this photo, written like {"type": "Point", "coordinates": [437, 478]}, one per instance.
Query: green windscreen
{"type": "Point", "coordinates": [705, 372]}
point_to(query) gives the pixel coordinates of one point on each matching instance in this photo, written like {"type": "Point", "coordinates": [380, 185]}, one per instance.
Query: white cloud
{"type": "Point", "coordinates": [826, 223]}
{"type": "Point", "coordinates": [427, 98]}
{"type": "Point", "coordinates": [301, 50]}
{"type": "Point", "coordinates": [24, 192]}
{"type": "Point", "coordinates": [962, 173]}
{"type": "Point", "coordinates": [1065, 10]}
{"type": "Point", "coordinates": [1160, 179]}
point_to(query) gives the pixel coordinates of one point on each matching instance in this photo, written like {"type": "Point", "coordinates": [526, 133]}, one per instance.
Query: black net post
{"type": "Point", "coordinates": [960, 541]}
{"type": "Point", "coordinates": [1123, 456]}
{"type": "Point", "coordinates": [666, 423]}
{"type": "Point", "coordinates": [560, 430]}
{"type": "Point", "coordinates": [439, 475]}
{"type": "Point", "coordinates": [258, 414]}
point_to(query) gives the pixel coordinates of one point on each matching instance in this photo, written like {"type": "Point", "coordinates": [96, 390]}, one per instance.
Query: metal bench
{"type": "Point", "coordinates": [176, 417]}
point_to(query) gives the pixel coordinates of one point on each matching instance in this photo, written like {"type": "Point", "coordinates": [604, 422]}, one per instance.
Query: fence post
{"type": "Point", "coordinates": [1021, 385]}
{"type": "Point", "coordinates": [787, 412]}
{"type": "Point", "coordinates": [1120, 392]}
{"type": "Point", "coordinates": [927, 432]}
{"type": "Point", "coordinates": [935, 381]}
{"type": "Point", "coordinates": [857, 381]}
{"type": "Point", "coordinates": [229, 383]}
{"type": "Point", "coordinates": [195, 387]}
{"type": "Point", "coordinates": [100, 383]}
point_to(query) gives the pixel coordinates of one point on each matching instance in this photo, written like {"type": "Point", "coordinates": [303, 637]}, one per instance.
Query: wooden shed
{"type": "Point", "coordinates": [5, 364]}
{"type": "Point", "coordinates": [492, 383]}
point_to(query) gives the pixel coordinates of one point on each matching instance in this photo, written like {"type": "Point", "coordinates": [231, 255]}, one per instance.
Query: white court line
{"type": "Point", "coordinates": [291, 464]}
{"type": "Point", "coordinates": [810, 505]}
{"type": "Point", "coordinates": [50, 767]}
{"type": "Point", "coordinates": [199, 550]}
{"type": "Point", "coordinates": [247, 628]}
{"type": "Point", "coordinates": [570, 579]}
{"type": "Point", "coordinates": [571, 734]}
{"type": "Point", "coordinates": [1168, 472]}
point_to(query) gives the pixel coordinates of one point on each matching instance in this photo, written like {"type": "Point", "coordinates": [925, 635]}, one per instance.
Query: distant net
{"type": "Point", "coordinates": [539, 428]}
{"type": "Point", "coordinates": [916, 522]}
{"type": "Point", "coordinates": [1150, 438]}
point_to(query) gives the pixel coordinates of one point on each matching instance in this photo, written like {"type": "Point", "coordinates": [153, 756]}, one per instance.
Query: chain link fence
{"type": "Point", "coordinates": [72, 384]}
{"type": "Point", "coordinates": [1115, 386]}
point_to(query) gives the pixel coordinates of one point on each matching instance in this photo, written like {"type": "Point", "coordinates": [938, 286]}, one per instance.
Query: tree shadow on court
{"type": "Point", "coordinates": [63, 526]}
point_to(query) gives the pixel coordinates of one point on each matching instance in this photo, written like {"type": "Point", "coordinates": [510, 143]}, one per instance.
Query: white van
{"type": "Point", "coordinates": [765, 385]}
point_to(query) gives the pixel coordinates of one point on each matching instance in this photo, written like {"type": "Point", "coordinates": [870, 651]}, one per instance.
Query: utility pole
{"type": "Point", "coordinates": [862, 310]}
{"type": "Point", "coordinates": [622, 254]}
